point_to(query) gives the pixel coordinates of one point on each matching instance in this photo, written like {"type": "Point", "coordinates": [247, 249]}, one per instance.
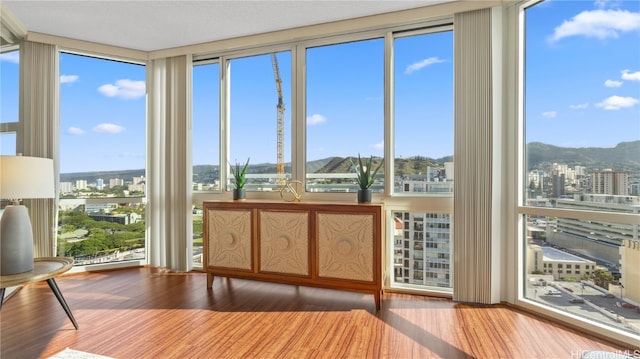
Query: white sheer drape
{"type": "Point", "coordinates": [169, 157]}
{"type": "Point", "coordinates": [39, 112]}
{"type": "Point", "coordinates": [476, 200]}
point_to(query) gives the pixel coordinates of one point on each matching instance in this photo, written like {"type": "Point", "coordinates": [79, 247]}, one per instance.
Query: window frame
{"type": "Point", "coordinates": [344, 40]}
{"type": "Point", "coordinates": [204, 61]}
{"type": "Point", "coordinates": [515, 94]}
{"type": "Point", "coordinates": [444, 26]}
{"type": "Point", "coordinates": [13, 127]}
{"type": "Point", "coordinates": [441, 203]}
{"type": "Point", "coordinates": [143, 200]}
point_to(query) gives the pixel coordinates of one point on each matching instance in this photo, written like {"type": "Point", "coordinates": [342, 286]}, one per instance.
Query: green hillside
{"type": "Point", "coordinates": [623, 157]}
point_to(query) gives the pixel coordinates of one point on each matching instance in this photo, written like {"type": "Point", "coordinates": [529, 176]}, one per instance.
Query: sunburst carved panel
{"type": "Point", "coordinates": [345, 247]}
{"type": "Point", "coordinates": [284, 242]}
{"type": "Point", "coordinates": [230, 239]}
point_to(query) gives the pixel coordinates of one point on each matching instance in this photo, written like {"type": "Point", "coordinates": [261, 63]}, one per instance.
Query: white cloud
{"type": "Point", "coordinates": [126, 89]}
{"type": "Point", "coordinates": [549, 114]}
{"type": "Point", "coordinates": [422, 64]}
{"type": "Point", "coordinates": [613, 83]}
{"type": "Point", "coordinates": [108, 128]}
{"type": "Point", "coordinates": [316, 119]}
{"type": "Point", "coordinates": [13, 57]}
{"type": "Point", "coordinates": [607, 3]}
{"type": "Point", "coordinates": [75, 131]}
{"type": "Point", "coordinates": [630, 76]}
{"type": "Point", "coordinates": [379, 145]}
{"type": "Point", "coordinates": [600, 24]}
{"type": "Point", "coordinates": [64, 79]}
{"type": "Point", "coordinates": [600, 4]}
{"type": "Point", "coordinates": [129, 155]}
{"type": "Point", "coordinates": [617, 102]}
{"type": "Point", "coordinates": [580, 106]}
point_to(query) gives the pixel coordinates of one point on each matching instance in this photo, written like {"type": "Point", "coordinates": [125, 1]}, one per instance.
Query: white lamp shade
{"type": "Point", "coordinates": [26, 177]}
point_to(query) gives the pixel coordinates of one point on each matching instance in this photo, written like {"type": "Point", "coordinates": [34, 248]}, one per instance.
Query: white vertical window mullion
{"type": "Point", "coordinates": [225, 90]}
{"type": "Point", "coordinates": [388, 111]}
{"type": "Point", "coordinates": [299, 120]}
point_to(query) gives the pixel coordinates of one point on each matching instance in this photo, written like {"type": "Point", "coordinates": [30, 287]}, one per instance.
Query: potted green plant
{"type": "Point", "coordinates": [239, 175]}
{"type": "Point", "coordinates": [365, 176]}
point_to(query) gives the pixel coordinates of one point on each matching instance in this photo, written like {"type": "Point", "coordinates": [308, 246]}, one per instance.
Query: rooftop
{"type": "Point", "coordinates": [552, 254]}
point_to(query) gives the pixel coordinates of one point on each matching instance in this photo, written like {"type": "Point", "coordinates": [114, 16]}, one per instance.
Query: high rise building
{"type": "Point", "coordinates": [66, 187]}
{"type": "Point", "coordinates": [81, 184]}
{"type": "Point", "coordinates": [116, 182]}
{"type": "Point", "coordinates": [422, 251]}
{"type": "Point", "coordinates": [610, 182]}
{"type": "Point", "coordinates": [557, 184]}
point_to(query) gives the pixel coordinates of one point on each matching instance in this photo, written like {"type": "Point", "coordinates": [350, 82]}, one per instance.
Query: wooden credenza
{"type": "Point", "coordinates": [328, 245]}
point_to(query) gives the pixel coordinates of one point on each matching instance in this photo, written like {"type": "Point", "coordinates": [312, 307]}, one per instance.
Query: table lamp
{"type": "Point", "coordinates": [21, 177]}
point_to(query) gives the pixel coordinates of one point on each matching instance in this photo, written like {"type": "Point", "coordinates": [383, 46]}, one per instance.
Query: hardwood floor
{"type": "Point", "coordinates": [145, 313]}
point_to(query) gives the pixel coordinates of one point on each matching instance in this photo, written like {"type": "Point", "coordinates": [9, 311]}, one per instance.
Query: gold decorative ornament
{"type": "Point", "coordinates": [292, 191]}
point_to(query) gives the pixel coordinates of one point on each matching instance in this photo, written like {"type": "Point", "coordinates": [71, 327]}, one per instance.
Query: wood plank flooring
{"type": "Point", "coordinates": [146, 313]}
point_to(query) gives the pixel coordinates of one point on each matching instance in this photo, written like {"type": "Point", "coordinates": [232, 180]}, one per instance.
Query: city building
{"type": "Point", "coordinates": [557, 184]}
{"type": "Point", "coordinates": [116, 182]}
{"type": "Point", "coordinates": [123, 219]}
{"type": "Point", "coordinates": [66, 187]}
{"type": "Point", "coordinates": [630, 269]}
{"type": "Point", "coordinates": [138, 180]}
{"type": "Point", "coordinates": [598, 232]}
{"type": "Point", "coordinates": [422, 249]}
{"type": "Point", "coordinates": [100, 207]}
{"type": "Point", "coordinates": [138, 185]}
{"type": "Point", "coordinates": [81, 185]}
{"type": "Point", "coordinates": [561, 265]}
{"type": "Point", "coordinates": [610, 182]}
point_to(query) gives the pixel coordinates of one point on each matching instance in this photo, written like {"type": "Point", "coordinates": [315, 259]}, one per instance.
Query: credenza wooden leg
{"type": "Point", "coordinates": [209, 280]}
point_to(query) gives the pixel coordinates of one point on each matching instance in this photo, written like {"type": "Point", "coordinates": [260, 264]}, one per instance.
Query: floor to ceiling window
{"type": "Point", "coordinates": [581, 175]}
{"type": "Point", "coordinates": [9, 80]}
{"type": "Point", "coordinates": [102, 160]}
{"type": "Point", "coordinates": [206, 126]}
{"type": "Point", "coordinates": [205, 141]}
{"type": "Point", "coordinates": [423, 157]}
{"type": "Point", "coordinates": [342, 90]}
{"type": "Point", "coordinates": [423, 113]}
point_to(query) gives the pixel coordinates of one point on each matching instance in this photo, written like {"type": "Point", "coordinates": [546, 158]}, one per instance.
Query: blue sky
{"type": "Point", "coordinates": [583, 73]}
{"type": "Point", "coordinates": [582, 89]}
{"type": "Point", "coordinates": [102, 114]}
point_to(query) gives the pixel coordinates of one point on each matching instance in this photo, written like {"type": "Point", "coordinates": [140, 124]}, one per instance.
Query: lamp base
{"type": "Point", "coordinates": [16, 241]}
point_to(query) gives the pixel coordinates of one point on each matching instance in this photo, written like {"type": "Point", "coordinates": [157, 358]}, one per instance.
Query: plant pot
{"type": "Point", "coordinates": [364, 195]}
{"type": "Point", "coordinates": [238, 194]}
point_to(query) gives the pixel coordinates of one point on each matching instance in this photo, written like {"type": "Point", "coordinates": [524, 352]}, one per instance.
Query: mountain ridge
{"type": "Point", "coordinates": [625, 156]}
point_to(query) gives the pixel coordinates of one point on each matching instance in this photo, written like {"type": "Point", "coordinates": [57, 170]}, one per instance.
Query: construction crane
{"type": "Point", "coordinates": [280, 120]}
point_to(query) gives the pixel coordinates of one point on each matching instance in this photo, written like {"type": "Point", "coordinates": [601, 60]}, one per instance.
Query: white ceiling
{"type": "Point", "coordinates": [157, 25]}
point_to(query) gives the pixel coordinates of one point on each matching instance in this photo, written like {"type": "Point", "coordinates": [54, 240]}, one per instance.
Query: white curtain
{"type": "Point", "coordinates": [476, 200]}
{"type": "Point", "coordinates": [39, 134]}
{"type": "Point", "coordinates": [169, 176]}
